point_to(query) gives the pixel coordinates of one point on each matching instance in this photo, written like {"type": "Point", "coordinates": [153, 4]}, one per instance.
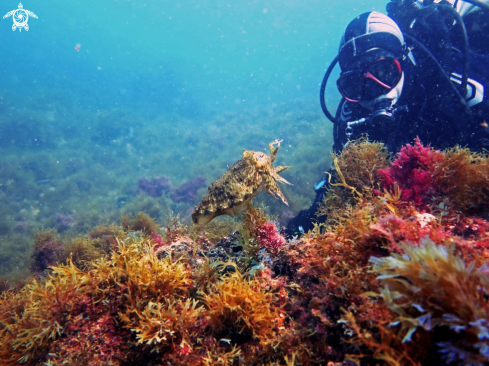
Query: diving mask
{"type": "Point", "coordinates": [376, 79]}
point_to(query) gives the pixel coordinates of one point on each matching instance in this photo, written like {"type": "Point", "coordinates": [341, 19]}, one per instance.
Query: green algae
{"type": "Point", "coordinates": [86, 167]}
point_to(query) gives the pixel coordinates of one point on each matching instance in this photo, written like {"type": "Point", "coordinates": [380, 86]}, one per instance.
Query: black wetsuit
{"type": "Point", "coordinates": [434, 110]}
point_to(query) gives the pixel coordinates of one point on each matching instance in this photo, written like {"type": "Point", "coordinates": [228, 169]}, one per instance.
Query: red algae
{"type": "Point", "coordinates": [269, 237]}
{"type": "Point", "coordinates": [262, 230]}
{"type": "Point", "coordinates": [413, 170]}
{"type": "Point", "coordinates": [398, 276]}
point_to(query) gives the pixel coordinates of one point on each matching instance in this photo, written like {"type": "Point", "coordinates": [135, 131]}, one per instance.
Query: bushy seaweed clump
{"type": "Point", "coordinates": [356, 175]}
{"type": "Point", "coordinates": [142, 222]}
{"type": "Point", "coordinates": [412, 171]}
{"type": "Point", "coordinates": [242, 306]}
{"type": "Point", "coordinates": [132, 306]}
{"type": "Point", "coordinates": [430, 287]}
{"type": "Point", "coordinates": [463, 177]}
{"type": "Point", "coordinates": [360, 162]}
{"type": "Point", "coordinates": [427, 281]}
{"type": "Point", "coordinates": [50, 249]}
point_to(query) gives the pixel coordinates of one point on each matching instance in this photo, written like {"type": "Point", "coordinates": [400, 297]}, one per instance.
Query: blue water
{"type": "Point", "coordinates": [156, 56]}
{"type": "Point", "coordinates": [156, 88]}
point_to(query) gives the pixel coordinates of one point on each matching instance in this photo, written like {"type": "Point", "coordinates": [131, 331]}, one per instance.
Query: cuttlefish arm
{"type": "Point", "coordinates": [271, 187]}
{"type": "Point", "coordinates": [274, 150]}
{"type": "Point", "coordinates": [281, 169]}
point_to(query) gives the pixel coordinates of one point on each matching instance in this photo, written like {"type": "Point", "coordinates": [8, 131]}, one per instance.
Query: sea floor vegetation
{"type": "Point", "coordinates": [398, 275]}
{"type": "Point", "coordinates": [69, 169]}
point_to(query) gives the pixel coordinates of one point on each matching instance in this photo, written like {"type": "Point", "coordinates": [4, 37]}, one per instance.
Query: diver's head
{"type": "Point", "coordinates": [370, 56]}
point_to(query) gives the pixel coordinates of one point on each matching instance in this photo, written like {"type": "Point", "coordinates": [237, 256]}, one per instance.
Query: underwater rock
{"type": "Point", "coordinates": [382, 283]}
{"type": "Point", "coordinates": [240, 184]}
{"type": "Point", "coordinates": [228, 248]}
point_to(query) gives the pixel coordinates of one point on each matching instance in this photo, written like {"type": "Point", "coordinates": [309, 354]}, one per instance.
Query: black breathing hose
{"type": "Point", "coordinates": [484, 7]}
{"type": "Point", "coordinates": [465, 44]}
{"type": "Point", "coordinates": [323, 87]}
{"type": "Point", "coordinates": [442, 71]}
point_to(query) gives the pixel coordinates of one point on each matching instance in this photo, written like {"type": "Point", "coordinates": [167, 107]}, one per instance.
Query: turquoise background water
{"type": "Point", "coordinates": [157, 88]}
{"type": "Point", "coordinates": [190, 56]}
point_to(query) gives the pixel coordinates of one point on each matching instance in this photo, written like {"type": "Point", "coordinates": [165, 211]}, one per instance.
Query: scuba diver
{"type": "Point", "coordinates": [422, 71]}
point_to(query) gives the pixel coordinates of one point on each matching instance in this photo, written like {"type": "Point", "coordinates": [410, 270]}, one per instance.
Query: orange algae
{"type": "Point", "coordinates": [390, 279]}
{"type": "Point", "coordinates": [356, 175]}
{"type": "Point", "coordinates": [240, 306]}
{"type": "Point", "coordinates": [360, 162]}
{"type": "Point", "coordinates": [463, 177]}
{"type": "Point", "coordinates": [130, 296]}
{"type": "Point", "coordinates": [164, 323]}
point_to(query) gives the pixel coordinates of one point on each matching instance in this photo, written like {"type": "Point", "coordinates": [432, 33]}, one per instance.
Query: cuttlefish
{"type": "Point", "coordinates": [243, 181]}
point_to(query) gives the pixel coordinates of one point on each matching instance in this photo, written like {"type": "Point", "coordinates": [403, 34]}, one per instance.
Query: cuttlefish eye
{"type": "Point", "coordinates": [260, 160]}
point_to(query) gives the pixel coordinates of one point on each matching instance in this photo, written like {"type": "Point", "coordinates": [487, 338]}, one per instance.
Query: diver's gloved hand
{"type": "Point", "coordinates": [305, 220]}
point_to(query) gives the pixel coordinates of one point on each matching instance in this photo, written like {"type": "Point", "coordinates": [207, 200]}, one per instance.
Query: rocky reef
{"type": "Point", "coordinates": [397, 275]}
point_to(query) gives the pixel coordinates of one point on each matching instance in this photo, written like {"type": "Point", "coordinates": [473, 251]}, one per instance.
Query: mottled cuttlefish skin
{"type": "Point", "coordinates": [243, 181]}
